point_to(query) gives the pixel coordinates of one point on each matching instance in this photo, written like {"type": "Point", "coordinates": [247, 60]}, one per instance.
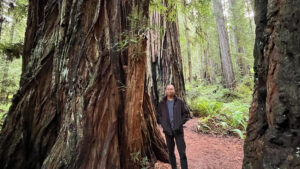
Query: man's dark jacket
{"type": "Point", "coordinates": [181, 114]}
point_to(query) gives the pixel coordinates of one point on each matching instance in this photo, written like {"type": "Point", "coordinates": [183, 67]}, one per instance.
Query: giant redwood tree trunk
{"type": "Point", "coordinates": [226, 63]}
{"type": "Point", "coordinates": [273, 132]}
{"type": "Point", "coordinates": [82, 101]}
{"type": "Point", "coordinates": [164, 63]}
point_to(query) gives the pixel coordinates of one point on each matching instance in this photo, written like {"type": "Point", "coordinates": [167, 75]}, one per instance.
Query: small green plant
{"type": "Point", "coordinates": [143, 162]}
{"type": "Point", "coordinates": [239, 133]}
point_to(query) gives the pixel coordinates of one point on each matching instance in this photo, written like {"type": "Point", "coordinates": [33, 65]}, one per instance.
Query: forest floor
{"type": "Point", "coordinates": [207, 151]}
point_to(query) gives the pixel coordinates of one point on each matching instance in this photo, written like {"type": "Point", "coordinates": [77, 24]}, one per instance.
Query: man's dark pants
{"type": "Point", "coordinates": [179, 138]}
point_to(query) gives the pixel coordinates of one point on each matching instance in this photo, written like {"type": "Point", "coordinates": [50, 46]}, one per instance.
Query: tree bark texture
{"type": "Point", "coordinates": [273, 137]}
{"type": "Point", "coordinates": [83, 100]}
{"type": "Point", "coordinates": [227, 69]}
{"type": "Point", "coordinates": [164, 63]}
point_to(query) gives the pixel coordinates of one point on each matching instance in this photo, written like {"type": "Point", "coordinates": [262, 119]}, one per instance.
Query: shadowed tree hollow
{"type": "Point", "coordinates": [273, 132]}
{"type": "Point", "coordinates": [83, 100]}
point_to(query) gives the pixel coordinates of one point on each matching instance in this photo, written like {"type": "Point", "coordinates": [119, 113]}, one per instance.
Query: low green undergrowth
{"type": "Point", "coordinates": [220, 111]}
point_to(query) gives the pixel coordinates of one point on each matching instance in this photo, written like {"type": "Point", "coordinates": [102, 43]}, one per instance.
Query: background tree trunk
{"type": "Point", "coordinates": [273, 138]}
{"type": "Point", "coordinates": [1, 18]}
{"type": "Point", "coordinates": [227, 69]}
{"type": "Point", "coordinates": [206, 73]}
{"type": "Point", "coordinates": [83, 100]}
{"type": "Point", "coordinates": [187, 36]}
{"type": "Point", "coordinates": [5, 70]}
{"type": "Point", "coordinates": [164, 61]}
{"type": "Point", "coordinates": [239, 49]}
{"type": "Point", "coordinates": [206, 64]}
{"type": "Point", "coordinates": [249, 6]}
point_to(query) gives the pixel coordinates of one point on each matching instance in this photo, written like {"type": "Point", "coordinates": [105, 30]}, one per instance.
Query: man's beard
{"type": "Point", "coordinates": [171, 94]}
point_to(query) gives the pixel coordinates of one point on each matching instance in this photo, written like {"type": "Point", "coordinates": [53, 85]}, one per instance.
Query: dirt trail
{"type": "Point", "coordinates": [208, 151]}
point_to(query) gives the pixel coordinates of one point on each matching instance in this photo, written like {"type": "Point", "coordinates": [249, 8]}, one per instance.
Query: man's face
{"type": "Point", "coordinates": [170, 90]}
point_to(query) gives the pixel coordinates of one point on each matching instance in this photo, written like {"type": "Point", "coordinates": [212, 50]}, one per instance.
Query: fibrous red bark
{"type": "Point", "coordinates": [273, 137]}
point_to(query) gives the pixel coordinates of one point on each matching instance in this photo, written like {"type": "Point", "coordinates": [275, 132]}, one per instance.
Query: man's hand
{"type": "Point", "coordinates": [185, 113]}
{"type": "Point", "coordinates": [158, 116]}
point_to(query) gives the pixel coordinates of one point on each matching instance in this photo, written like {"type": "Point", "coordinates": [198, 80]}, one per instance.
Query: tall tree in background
{"type": "Point", "coordinates": [227, 69]}
{"type": "Point", "coordinates": [237, 15]}
{"type": "Point", "coordinates": [5, 78]}
{"type": "Point", "coordinates": [273, 137]}
{"type": "Point", "coordinates": [1, 17]}
{"type": "Point", "coordinates": [83, 100]}
{"type": "Point", "coordinates": [249, 6]}
{"type": "Point", "coordinates": [208, 69]}
{"type": "Point", "coordinates": [188, 43]}
{"type": "Point", "coordinates": [164, 61]}
{"type": "Point", "coordinates": [5, 8]}
{"type": "Point", "coordinates": [204, 62]}
{"type": "Point", "coordinates": [11, 47]}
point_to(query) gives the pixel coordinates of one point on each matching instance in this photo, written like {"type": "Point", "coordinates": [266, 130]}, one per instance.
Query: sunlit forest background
{"type": "Point", "coordinates": [13, 17]}
{"type": "Point", "coordinates": [221, 109]}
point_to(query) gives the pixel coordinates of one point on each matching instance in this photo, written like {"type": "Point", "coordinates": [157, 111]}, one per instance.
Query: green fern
{"type": "Point", "coordinates": [239, 133]}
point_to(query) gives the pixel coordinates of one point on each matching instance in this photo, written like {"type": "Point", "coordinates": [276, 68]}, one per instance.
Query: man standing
{"type": "Point", "coordinates": [172, 113]}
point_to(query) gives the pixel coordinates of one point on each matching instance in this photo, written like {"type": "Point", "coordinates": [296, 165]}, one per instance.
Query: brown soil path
{"type": "Point", "coordinates": [208, 151]}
